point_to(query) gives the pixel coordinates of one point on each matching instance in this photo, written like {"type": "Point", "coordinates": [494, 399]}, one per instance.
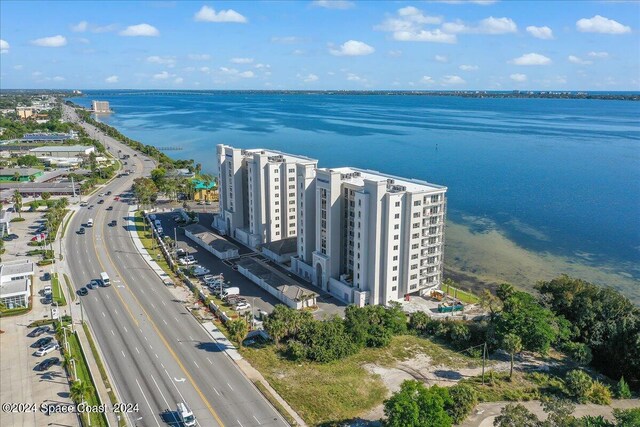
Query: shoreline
{"type": "Point", "coordinates": [483, 260]}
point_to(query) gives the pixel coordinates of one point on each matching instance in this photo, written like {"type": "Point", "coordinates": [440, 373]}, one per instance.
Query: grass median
{"type": "Point", "coordinates": [72, 293]}
{"type": "Point", "coordinates": [56, 290]}
{"type": "Point", "coordinates": [152, 247]}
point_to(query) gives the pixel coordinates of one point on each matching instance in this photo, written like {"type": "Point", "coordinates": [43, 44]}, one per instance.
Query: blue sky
{"type": "Point", "coordinates": [427, 45]}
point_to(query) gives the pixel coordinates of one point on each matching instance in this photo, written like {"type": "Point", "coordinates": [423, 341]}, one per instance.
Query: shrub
{"type": "Point", "coordinates": [622, 389]}
{"type": "Point", "coordinates": [17, 219]}
{"type": "Point", "coordinates": [464, 399]}
{"type": "Point", "coordinates": [578, 385]}
{"type": "Point", "coordinates": [296, 351]}
{"type": "Point", "coordinates": [627, 417]}
{"type": "Point", "coordinates": [579, 352]}
{"type": "Point", "coordinates": [460, 335]}
{"type": "Point", "coordinates": [599, 394]}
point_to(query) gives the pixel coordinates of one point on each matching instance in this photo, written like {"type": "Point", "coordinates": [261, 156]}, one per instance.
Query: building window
{"type": "Point", "coordinates": [394, 288]}
{"type": "Point", "coordinates": [396, 227]}
{"type": "Point", "coordinates": [416, 214]}
{"type": "Point", "coordinates": [276, 179]}
{"type": "Point", "coordinates": [397, 204]}
{"type": "Point", "coordinates": [292, 179]}
{"type": "Point", "coordinates": [277, 225]}
{"type": "Point", "coordinates": [277, 210]}
{"type": "Point", "coordinates": [395, 248]}
{"type": "Point", "coordinates": [414, 276]}
{"type": "Point", "coordinates": [292, 202]}
{"type": "Point", "coordinates": [395, 268]}
{"type": "Point", "coordinates": [396, 216]}
{"type": "Point", "coordinates": [277, 187]}
{"type": "Point", "coordinates": [415, 235]}
{"type": "Point", "coordinates": [417, 203]}
{"type": "Point", "coordinates": [415, 246]}
{"type": "Point", "coordinates": [395, 257]}
{"type": "Point", "coordinates": [394, 278]}
{"type": "Point", "coordinates": [414, 256]}
{"type": "Point", "coordinates": [396, 237]}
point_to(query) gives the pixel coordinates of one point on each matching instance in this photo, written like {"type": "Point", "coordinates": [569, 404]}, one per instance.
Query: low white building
{"type": "Point", "coordinates": [58, 151]}
{"type": "Point", "coordinates": [215, 244]}
{"type": "Point", "coordinates": [15, 283]}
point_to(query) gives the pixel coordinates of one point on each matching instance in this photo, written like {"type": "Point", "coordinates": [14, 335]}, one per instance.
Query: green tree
{"type": "Point", "coordinates": [238, 330]}
{"type": "Point", "coordinates": [463, 399]}
{"type": "Point", "coordinates": [145, 190]}
{"type": "Point", "coordinates": [505, 291]}
{"type": "Point", "coordinates": [516, 415]}
{"type": "Point", "coordinates": [559, 413]}
{"type": "Point", "coordinates": [592, 421]}
{"type": "Point", "coordinates": [414, 405]}
{"type": "Point", "coordinates": [80, 390]}
{"type": "Point", "coordinates": [599, 393]}
{"type": "Point", "coordinates": [45, 196]}
{"type": "Point", "coordinates": [28, 160]}
{"type": "Point", "coordinates": [16, 176]}
{"type": "Point", "coordinates": [419, 321]}
{"type": "Point", "coordinates": [622, 389]}
{"type": "Point", "coordinates": [17, 202]}
{"type": "Point", "coordinates": [579, 352]}
{"type": "Point", "coordinates": [276, 329]}
{"type": "Point", "coordinates": [578, 384]}
{"type": "Point", "coordinates": [512, 344]}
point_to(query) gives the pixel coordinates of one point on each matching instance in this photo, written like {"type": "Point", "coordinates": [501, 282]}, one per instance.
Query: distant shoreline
{"type": "Point", "coordinates": [522, 94]}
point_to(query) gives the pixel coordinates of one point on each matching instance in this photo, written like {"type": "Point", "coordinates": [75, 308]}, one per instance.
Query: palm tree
{"type": "Point", "coordinates": [79, 391]}
{"type": "Point", "coordinates": [206, 180]}
{"type": "Point", "coordinates": [17, 202]}
{"type": "Point", "coordinates": [16, 176]}
{"type": "Point", "coordinates": [238, 330]}
{"type": "Point", "coordinates": [512, 345]}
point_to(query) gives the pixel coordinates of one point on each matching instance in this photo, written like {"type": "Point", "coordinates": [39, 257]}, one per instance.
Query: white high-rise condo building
{"type": "Point", "coordinates": [363, 236]}
{"type": "Point", "coordinates": [258, 200]}
{"type": "Point", "coordinates": [375, 237]}
{"type": "Point", "coordinates": [100, 106]}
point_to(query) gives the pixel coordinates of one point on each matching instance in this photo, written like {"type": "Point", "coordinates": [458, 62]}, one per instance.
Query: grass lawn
{"type": "Point", "coordinates": [82, 372]}
{"type": "Point", "coordinates": [463, 296]}
{"type": "Point", "coordinates": [343, 389]}
{"type": "Point", "coordinates": [72, 293]}
{"type": "Point", "coordinates": [56, 290]}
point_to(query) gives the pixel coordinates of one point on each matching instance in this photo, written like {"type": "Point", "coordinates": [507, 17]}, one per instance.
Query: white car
{"type": "Point", "coordinates": [47, 349]}
{"type": "Point", "coordinates": [55, 313]}
{"type": "Point", "coordinates": [200, 271]}
{"type": "Point", "coordinates": [243, 306]}
{"type": "Point", "coordinates": [188, 260]}
{"type": "Point", "coordinates": [46, 290]}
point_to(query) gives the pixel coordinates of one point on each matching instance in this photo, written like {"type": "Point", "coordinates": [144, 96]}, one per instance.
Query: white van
{"type": "Point", "coordinates": [185, 415]}
{"type": "Point", "coordinates": [90, 222]}
{"type": "Point", "coordinates": [234, 290]}
{"type": "Point", "coordinates": [104, 277]}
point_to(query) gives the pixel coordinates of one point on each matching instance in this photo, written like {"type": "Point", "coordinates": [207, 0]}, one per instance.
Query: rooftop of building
{"type": "Point", "coordinates": [281, 247]}
{"type": "Point", "coordinates": [17, 268]}
{"type": "Point", "coordinates": [200, 185]}
{"type": "Point", "coordinates": [291, 290]}
{"type": "Point", "coordinates": [46, 136]}
{"type": "Point", "coordinates": [275, 156]}
{"type": "Point", "coordinates": [14, 287]}
{"type": "Point", "coordinates": [21, 171]}
{"type": "Point", "coordinates": [218, 243]}
{"type": "Point", "coordinates": [357, 176]}
{"type": "Point", "coordinates": [63, 148]}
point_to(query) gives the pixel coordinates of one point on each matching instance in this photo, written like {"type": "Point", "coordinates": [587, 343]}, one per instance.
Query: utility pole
{"type": "Point", "coordinates": [484, 355]}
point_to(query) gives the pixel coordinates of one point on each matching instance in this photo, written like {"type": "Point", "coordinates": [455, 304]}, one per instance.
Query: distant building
{"type": "Point", "coordinates": [15, 283]}
{"type": "Point", "coordinates": [204, 191]}
{"type": "Point", "coordinates": [26, 174]}
{"type": "Point", "coordinates": [59, 151]}
{"type": "Point", "coordinates": [100, 107]}
{"type": "Point", "coordinates": [5, 222]}
{"type": "Point", "coordinates": [24, 112]}
{"type": "Point", "coordinates": [47, 137]}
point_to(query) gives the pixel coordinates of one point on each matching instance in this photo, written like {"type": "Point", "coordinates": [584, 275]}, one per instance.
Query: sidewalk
{"type": "Point", "coordinates": [216, 335]}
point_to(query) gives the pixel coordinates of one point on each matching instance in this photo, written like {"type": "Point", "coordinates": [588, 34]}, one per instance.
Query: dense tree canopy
{"type": "Point", "coordinates": [414, 405]}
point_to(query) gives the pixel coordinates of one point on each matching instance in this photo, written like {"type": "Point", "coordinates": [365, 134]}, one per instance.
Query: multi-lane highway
{"type": "Point", "coordinates": [155, 351]}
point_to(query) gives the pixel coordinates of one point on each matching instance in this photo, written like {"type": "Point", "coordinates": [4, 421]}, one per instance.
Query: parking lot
{"type": "Point", "coordinates": [19, 381]}
{"type": "Point", "coordinates": [254, 295]}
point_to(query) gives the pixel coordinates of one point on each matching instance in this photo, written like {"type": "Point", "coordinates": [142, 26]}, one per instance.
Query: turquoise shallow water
{"type": "Point", "coordinates": [554, 175]}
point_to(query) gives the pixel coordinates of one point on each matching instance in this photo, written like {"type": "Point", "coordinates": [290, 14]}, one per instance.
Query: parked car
{"type": "Point", "coordinates": [47, 289]}
{"type": "Point", "coordinates": [108, 193]}
{"type": "Point", "coordinates": [101, 201]}
{"type": "Point", "coordinates": [38, 331]}
{"type": "Point", "coordinates": [90, 207]}
{"type": "Point", "coordinates": [110, 208]}
{"type": "Point", "coordinates": [181, 253]}
{"type": "Point", "coordinates": [51, 347]}
{"type": "Point", "coordinates": [81, 231]}
{"type": "Point", "coordinates": [93, 284]}
{"type": "Point", "coordinates": [243, 306]}
{"type": "Point", "coordinates": [42, 342]}
{"type": "Point", "coordinates": [116, 198]}
{"type": "Point", "coordinates": [55, 313]}
{"type": "Point", "coordinates": [47, 276]}
{"type": "Point", "coordinates": [200, 271]}
{"type": "Point", "coordinates": [113, 223]}
{"type": "Point", "coordinates": [188, 260]}
{"type": "Point", "coordinates": [101, 195]}
{"type": "Point", "coordinates": [10, 237]}
{"type": "Point", "coordinates": [47, 363]}
{"type": "Point", "coordinates": [82, 291]}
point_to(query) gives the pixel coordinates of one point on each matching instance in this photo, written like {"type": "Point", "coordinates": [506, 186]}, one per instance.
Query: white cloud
{"type": "Point", "coordinates": [575, 60]}
{"type": "Point", "coordinates": [333, 4]}
{"type": "Point", "coordinates": [286, 40]}
{"type": "Point", "coordinates": [58, 79]}
{"type": "Point", "coordinates": [490, 25]}
{"type": "Point", "coordinates": [409, 25]}
{"type": "Point", "coordinates": [53, 41]}
{"type": "Point", "coordinates": [140, 30]}
{"type": "Point", "coordinates": [600, 24]}
{"type": "Point", "coordinates": [4, 46]}
{"type": "Point", "coordinates": [111, 79]}
{"type": "Point", "coordinates": [242, 60]}
{"type": "Point", "coordinates": [468, 67]}
{"type": "Point", "coordinates": [427, 80]}
{"type": "Point", "coordinates": [205, 70]}
{"type": "Point", "coordinates": [441, 58]}
{"type": "Point", "coordinates": [178, 80]}
{"type": "Point", "coordinates": [517, 77]}
{"type": "Point", "coordinates": [104, 28]}
{"type": "Point", "coordinates": [544, 33]}
{"type": "Point", "coordinates": [162, 76]}
{"type": "Point", "coordinates": [298, 52]}
{"type": "Point", "coordinates": [453, 80]}
{"type": "Point", "coordinates": [309, 78]}
{"type": "Point", "coordinates": [352, 77]}
{"type": "Point", "coordinates": [235, 72]}
{"type": "Point", "coordinates": [36, 73]}
{"type": "Point", "coordinates": [531, 59]}
{"type": "Point", "coordinates": [247, 74]}
{"type": "Point", "coordinates": [395, 53]}
{"type": "Point", "coordinates": [83, 40]}
{"type": "Point", "coordinates": [435, 36]}
{"type": "Point", "coordinates": [80, 27]}
{"type": "Point", "coordinates": [18, 67]}
{"type": "Point", "coordinates": [353, 48]}
{"type": "Point", "coordinates": [199, 56]}
{"type": "Point", "coordinates": [208, 14]}
{"type": "Point", "coordinates": [479, 2]}
{"type": "Point", "coordinates": [600, 55]}
{"type": "Point", "coordinates": [262, 66]}
{"type": "Point", "coordinates": [169, 61]}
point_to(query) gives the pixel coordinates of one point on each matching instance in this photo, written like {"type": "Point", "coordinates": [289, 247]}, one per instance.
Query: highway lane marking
{"type": "Point", "coordinates": [149, 405]}
{"type": "Point", "coordinates": [116, 310]}
{"type": "Point", "coordinates": [230, 386]}
{"type": "Point", "coordinates": [125, 329]}
{"type": "Point", "coordinates": [95, 298]}
{"type": "Point", "coordinates": [176, 319]}
{"type": "Point", "coordinates": [190, 338]}
{"type": "Point", "coordinates": [163, 303]}
{"type": "Point", "coordinates": [165, 322]}
{"type": "Point", "coordinates": [258, 421]}
{"type": "Point", "coordinates": [138, 351]}
{"type": "Point", "coordinates": [161, 394]}
{"type": "Point", "coordinates": [156, 355]}
{"type": "Point", "coordinates": [239, 423]}
{"type": "Point", "coordinates": [150, 347]}
{"type": "Point", "coordinates": [153, 305]}
{"type": "Point", "coordinates": [160, 335]}
{"type": "Point", "coordinates": [104, 315]}
{"type": "Point", "coordinates": [194, 362]}
{"type": "Point", "coordinates": [107, 295]}
{"type": "Point", "coordinates": [123, 355]}
{"type": "Point", "coordinates": [112, 333]}
{"type": "Point", "coordinates": [209, 360]}
{"type": "Point", "coordinates": [214, 389]}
